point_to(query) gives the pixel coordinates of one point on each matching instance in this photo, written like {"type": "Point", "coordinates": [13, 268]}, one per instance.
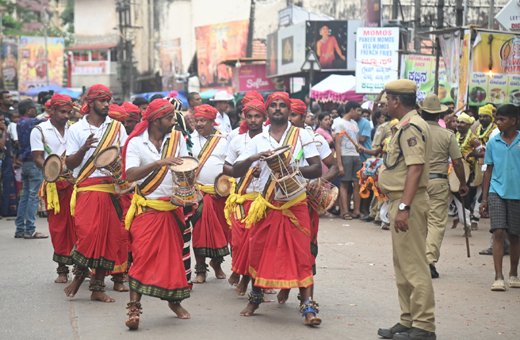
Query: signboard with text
{"type": "Point", "coordinates": [253, 78]}
{"type": "Point", "coordinates": [377, 59]}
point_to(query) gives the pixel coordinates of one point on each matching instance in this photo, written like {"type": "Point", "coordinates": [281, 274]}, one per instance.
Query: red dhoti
{"type": "Point", "coordinates": [211, 233]}
{"type": "Point", "coordinates": [157, 243]}
{"type": "Point", "coordinates": [98, 227]}
{"type": "Point", "coordinates": [240, 243]}
{"type": "Point", "coordinates": [279, 253]}
{"type": "Point", "coordinates": [122, 262]}
{"type": "Point", "coordinates": [61, 225]}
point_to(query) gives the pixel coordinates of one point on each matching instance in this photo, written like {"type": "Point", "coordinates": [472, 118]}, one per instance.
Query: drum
{"type": "Point", "coordinates": [320, 197]}
{"type": "Point", "coordinates": [280, 159]}
{"type": "Point", "coordinates": [454, 181]}
{"type": "Point", "coordinates": [185, 191]}
{"type": "Point", "coordinates": [109, 161]}
{"type": "Point", "coordinates": [479, 174]}
{"type": "Point", "coordinates": [53, 168]}
{"type": "Point", "coordinates": [289, 185]}
{"type": "Point", "coordinates": [222, 185]}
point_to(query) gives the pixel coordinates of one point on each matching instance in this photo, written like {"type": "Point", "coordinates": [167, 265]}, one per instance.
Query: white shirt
{"type": "Point", "coordinates": [223, 122]}
{"type": "Point", "coordinates": [12, 131]}
{"type": "Point", "coordinates": [335, 123]}
{"type": "Point", "coordinates": [215, 163]}
{"type": "Point", "coordinates": [54, 140]}
{"type": "Point", "coordinates": [141, 152]}
{"type": "Point", "coordinates": [350, 127]}
{"type": "Point", "coordinates": [264, 142]}
{"type": "Point", "coordinates": [323, 149]}
{"type": "Point", "coordinates": [235, 148]}
{"type": "Point", "coordinates": [78, 134]}
{"type": "Point", "coordinates": [232, 135]}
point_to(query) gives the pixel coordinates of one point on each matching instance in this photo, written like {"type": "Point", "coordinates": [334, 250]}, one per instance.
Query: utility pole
{"type": "Point", "coordinates": [395, 9]}
{"type": "Point", "coordinates": [125, 48]}
{"type": "Point", "coordinates": [465, 17]}
{"type": "Point", "coordinates": [459, 13]}
{"type": "Point", "coordinates": [250, 33]}
{"type": "Point", "coordinates": [417, 25]}
{"type": "Point", "coordinates": [440, 25]}
{"type": "Point", "coordinates": [491, 20]}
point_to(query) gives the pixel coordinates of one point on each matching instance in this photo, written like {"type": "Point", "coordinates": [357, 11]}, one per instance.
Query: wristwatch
{"type": "Point", "coordinates": [404, 207]}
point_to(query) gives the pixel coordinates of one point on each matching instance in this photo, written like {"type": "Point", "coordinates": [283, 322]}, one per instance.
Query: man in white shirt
{"type": "Point", "coordinates": [249, 96]}
{"type": "Point", "coordinates": [349, 163]}
{"type": "Point", "coordinates": [47, 138]}
{"type": "Point", "coordinates": [157, 232]}
{"type": "Point", "coordinates": [94, 205]}
{"type": "Point", "coordinates": [221, 100]}
{"type": "Point", "coordinates": [289, 225]}
{"type": "Point", "coordinates": [211, 233]}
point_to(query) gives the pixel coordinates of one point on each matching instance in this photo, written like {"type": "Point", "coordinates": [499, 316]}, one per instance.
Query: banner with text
{"type": "Point", "coordinates": [253, 78]}
{"type": "Point", "coordinates": [377, 59]}
{"type": "Point", "coordinates": [9, 62]}
{"type": "Point", "coordinates": [464, 65]}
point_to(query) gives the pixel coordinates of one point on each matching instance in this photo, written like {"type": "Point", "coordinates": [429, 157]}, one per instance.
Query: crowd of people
{"type": "Point", "coordinates": [403, 164]}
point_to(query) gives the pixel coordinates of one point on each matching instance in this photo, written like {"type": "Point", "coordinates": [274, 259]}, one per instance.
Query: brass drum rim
{"type": "Point", "coordinates": [48, 160]}
{"type": "Point", "coordinates": [104, 153]}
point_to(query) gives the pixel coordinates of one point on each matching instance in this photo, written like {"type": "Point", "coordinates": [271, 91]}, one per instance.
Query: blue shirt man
{"type": "Point", "coordinates": [365, 131]}
{"type": "Point", "coordinates": [506, 163]}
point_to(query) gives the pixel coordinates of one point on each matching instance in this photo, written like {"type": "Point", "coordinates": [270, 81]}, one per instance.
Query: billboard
{"type": "Point", "coordinates": [34, 67]}
{"type": "Point", "coordinates": [253, 78]}
{"type": "Point", "coordinates": [171, 64]}
{"type": "Point", "coordinates": [371, 13]}
{"type": "Point", "coordinates": [9, 63]}
{"type": "Point", "coordinates": [496, 70]}
{"type": "Point", "coordinates": [91, 67]}
{"type": "Point", "coordinates": [377, 59]}
{"type": "Point", "coordinates": [216, 43]}
{"type": "Point", "coordinates": [328, 39]}
{"type": "Point", "coordinates": [272, 55]}
{"type": "Point", "coordinates": [291, 49]}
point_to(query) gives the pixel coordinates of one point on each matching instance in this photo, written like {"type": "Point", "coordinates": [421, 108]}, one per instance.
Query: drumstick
{"type": "Point", "coordinates": [345, 133]}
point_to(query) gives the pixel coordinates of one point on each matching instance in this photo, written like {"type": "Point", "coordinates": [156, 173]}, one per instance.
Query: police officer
{"type": "Point", "coordinates": [444, 146]}
{"type": "Point", "coordinates": [403, 177]}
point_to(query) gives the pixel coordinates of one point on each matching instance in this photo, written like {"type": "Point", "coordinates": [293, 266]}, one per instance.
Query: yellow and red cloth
{"type": "Point", "coordinates": [95, 92]}
{"type": "Point", "coordinates": [206, 111]}
{"type": "Point", "coordinates": [117, 112]}
{"type": "Point", "coordinates": [132, 110]}
{"type": "Point", "coordinates": [252, 95]}
{"type": "Point", "coordinates": [59, 101]}
{"type": "Point", "coordinates": [298, 106]}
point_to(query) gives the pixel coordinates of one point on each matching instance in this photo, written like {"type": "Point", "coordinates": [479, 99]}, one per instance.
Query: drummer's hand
{"type": "Point", "coordinates": [170, 161]}
{"type": "Point", "coordinates": [261, 155]}
{"type": "Point", "coordinates": [401, 221]}
{"type": "Point", "coordinates": [88, 144]}
{"type": "Point", "coordinates": [463, 190]}
{"type": "Point", "coordinates": [256, 172]}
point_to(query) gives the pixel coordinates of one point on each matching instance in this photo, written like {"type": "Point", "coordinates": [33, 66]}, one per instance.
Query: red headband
{"type": "Point", "coordinates": [157, 109]}
{"type": "Point", "coordinates": [298, 106]}
{"type": "Point", "coordinates": [278, 95]}
{"type": "Point", "coordinates": [59, 101]}
{"type": "Point", "coordinates": [95, 92]}
{"type": "Point", "coordinates": [253, 105]}
{"type": "Point", "coordinates": [132, 110]}
{"type": "Point", "coordinates": [252, 95]}
{"type": "Point", "coordinates": [117, 112]}
{"type": "Point", "coordinates": [206, 111]}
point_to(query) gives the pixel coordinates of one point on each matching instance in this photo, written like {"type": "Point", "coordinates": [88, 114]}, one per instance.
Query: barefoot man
{"type": "Point", "coordinates": [94, 204]}
{"type": "Point", "coordinates": [211, 232]}
{"type": "Point", "coordinates": [272, 262]}
{"type": "Point", "coordinates": [47, 138]}
{"type": "Point", "coordinates": [156, 226]}
{"type": "Point", "coordinates": [243, 193]}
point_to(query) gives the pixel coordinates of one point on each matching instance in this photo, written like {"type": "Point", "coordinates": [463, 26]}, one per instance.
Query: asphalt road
{"type": "Point", "coordinates": [355, 288]}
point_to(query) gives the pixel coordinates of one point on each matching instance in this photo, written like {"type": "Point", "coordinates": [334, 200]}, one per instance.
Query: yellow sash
{"type": "Point", "coordinates": [207, 150]}
{"type": "Point", "coordinates": [260, 205]}
{"type": "Point", "coordinates": [238, 196]}
{"type": "Point", "coordinates": [138, 202]}
{"type": "Point", "coordinates": [208, 189]}
{"type": "Point", "coordinates": [88, 168]}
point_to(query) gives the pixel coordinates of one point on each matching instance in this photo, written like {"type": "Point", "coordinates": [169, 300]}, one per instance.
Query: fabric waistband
{"type": "Point", "coordinates": [434, 176]}
{"type": "Point", "coordinates": [395, 195]}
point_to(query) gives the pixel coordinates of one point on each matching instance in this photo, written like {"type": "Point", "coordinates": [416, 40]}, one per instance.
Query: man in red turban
{"type": "Point", "coordinates": [117, 112]}
{"type": "Point", "coordinates": [211, 233]}
{"type": "Point", "coordinates": [252, 95]}
{"type": "Point", "coordinates": [48, 138]}
{"type": "Point", "coordinates": [253, 106]}
{"type": "Point", "coordinates": [156, 226]}
{"type": "Point", "coordinates": [132, 116]}
{"type": "Point", "coordinates": [93, 202]}
{"type": "Point", "coordinates": [271, 101]}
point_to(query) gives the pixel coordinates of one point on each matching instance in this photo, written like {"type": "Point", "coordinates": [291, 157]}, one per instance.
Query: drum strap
{"type": "Point", "coordinates": [45, 145]}
{"type": "Point", "coordinates": [207, 150]}
{"type": "Point", "coordinates": [155, 178]}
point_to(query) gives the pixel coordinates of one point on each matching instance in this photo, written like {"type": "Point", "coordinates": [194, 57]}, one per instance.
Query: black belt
{"type": "Point", "coordinates": [434, 176]}
{"type": "Point", "coordinates": [28, 159]}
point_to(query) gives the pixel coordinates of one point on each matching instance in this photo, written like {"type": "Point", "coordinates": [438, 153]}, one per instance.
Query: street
{"type": "Point", "coordinates": [355, 288]}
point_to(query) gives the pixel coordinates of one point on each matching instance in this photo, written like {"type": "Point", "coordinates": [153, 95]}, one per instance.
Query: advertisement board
{"type": "Point", "coordinates": [291, 49]}
{"type": "Point", "coordinates": [253, 78]}
{"type": "Point", "coordinates": [171, 64]}
{"type": "Point", "coordinates": [328, 39]}
{"type": "Point", "coordinates": [9, 63]}
{"type": "Point", "coordinates": [464, 69]}
{"type": "Point", "coordinates": [216, 43]}
{"type": "Point", "coordinates": [91, 67]}
{"type": "Point", "coordinates": [495, 76]}
{"type": "Point", "coordinates": [34, 67]}
{"type": "Point", "coordinates": [377, 59]}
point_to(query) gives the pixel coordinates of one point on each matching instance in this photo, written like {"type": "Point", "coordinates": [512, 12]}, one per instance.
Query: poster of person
{"type": "Point", "coordinates": [464, 69]}
{"type": "Point", "coordinates": [272, 54]}
{"type": "Point", "coordinates": [371, 13]}
{"type": "Point", "coordinates": [216, 43]}
{"type": "Point", "coordinates": [329, 40]}
{"type": "Point", "coordinates": [496, 70]}
{"type": "Point", "coordinates": [35, 66]}
{"type": "Point", "coordinates": [9, 63]}
{"type": "Point", "coordinates": [171, 64]}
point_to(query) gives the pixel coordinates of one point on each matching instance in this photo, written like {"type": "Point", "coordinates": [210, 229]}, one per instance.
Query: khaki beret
{"type": "Point", "coordinates": [401, 86]}
{"type": "Point", "coordinates": [383, 99]}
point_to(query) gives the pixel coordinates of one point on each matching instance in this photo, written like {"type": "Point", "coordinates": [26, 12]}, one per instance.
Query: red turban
{"type": "Point", "coordinates": [95, 92]}
{"type": "Point", "coordinates": [59, 101]}
{"type": "Point", "coordinates": [117, 112]}
{"type": "Point", "coordinates": [206, 111]}
{"type": "Point", "coordinates": [132, 110]}
{"type": "Point", "coordinates": [157, 109]}
{"type": "Point", "coordinates": [253, 105]}
{"type": "Point", "coordinates": [252, 95]}
{"type": "Point", "coordinates": [278, 95]}
{"type": "Point", "coordinates": [298, 106]}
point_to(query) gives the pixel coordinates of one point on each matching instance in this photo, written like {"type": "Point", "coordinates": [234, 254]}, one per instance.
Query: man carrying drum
{"type": "Point", "coordinates": [284, 220]}
{"type": "Point", "coordinates": [156, 225]}
{"type": "Point", "coordinates": [211, 233]}
{"type": "Point", "coordinates": [99, 238]}
{"type": "Point", "coordinates": [243, 193]}
{"type": "Point", "coordinates": [444, 147]}
{"type": "Point", "coordinates": [48, 138]}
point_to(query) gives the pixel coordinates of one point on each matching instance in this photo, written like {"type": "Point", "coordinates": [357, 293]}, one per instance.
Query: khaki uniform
{"type": "Point", "coordinates": [444, 146]}
{"type": "Point", "coordinates": [413, 278]}
{"type": "Point", "coordinates": [383, 131]}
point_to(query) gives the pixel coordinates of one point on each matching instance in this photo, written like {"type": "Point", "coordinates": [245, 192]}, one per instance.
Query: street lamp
{"type": "Point", "coordinates": [310, 66]}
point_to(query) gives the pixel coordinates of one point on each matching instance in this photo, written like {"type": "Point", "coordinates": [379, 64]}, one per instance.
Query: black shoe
{"type": "Point", "coordinates": [415, 334]}
{"type": "Point", "coordinates": [335, 211]}
{"type": "Point", "coordinates": [434, 272]}
{"type": "Point", "coordinates": [388, 333]}
{"type": "Point", "coordinates": [377, 222]}
{"type": "Point", "coordinates": [367, 218]}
